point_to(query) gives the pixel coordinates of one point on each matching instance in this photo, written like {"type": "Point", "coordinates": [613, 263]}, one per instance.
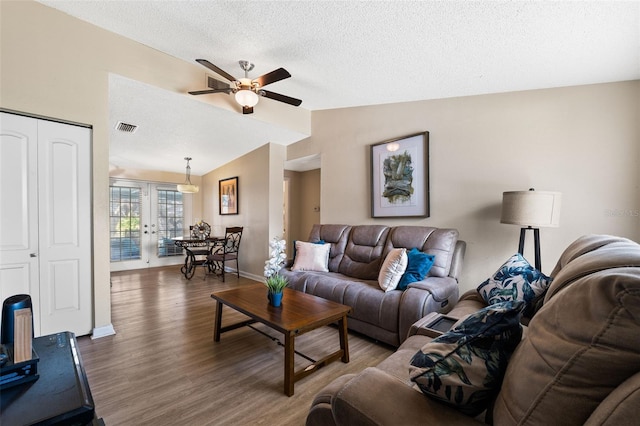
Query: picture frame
{"type": "Point", "coordinates": [229, 196]}
{"type": "Point", "coordinates": [400, 177]}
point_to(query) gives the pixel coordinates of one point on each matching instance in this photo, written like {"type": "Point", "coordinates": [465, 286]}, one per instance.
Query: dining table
{"type": "Point", "coordinates": [197, 248]}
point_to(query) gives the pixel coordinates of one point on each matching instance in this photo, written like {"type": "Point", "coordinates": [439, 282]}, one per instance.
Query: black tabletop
{"type": "Point", "coordinates": [60, 396]}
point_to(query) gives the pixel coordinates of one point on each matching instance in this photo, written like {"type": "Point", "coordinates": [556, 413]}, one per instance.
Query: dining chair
{"type": "Point", "coordinates": [196, 253]}
{"type": "Point", "coordinates": [227, 251]}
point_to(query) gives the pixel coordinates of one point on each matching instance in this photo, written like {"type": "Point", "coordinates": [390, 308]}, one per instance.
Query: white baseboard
{"type": "Point", "coordinates": [105, 330]}
{"type": "Point", "coordinates": [252, 276]}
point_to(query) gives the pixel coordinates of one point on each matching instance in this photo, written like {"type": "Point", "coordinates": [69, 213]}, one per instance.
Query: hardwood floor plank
{"type": "Point", "coordinates": [163, 368]}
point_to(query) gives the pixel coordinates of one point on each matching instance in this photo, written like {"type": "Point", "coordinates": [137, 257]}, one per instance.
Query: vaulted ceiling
{"type": "Point", "coordinates": [348, 54]}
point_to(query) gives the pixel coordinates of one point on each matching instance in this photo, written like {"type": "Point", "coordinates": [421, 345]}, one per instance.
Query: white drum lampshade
{"type": "Point", "coordinates": [531, 210]}
{"type": "Point", "coordinates": [535, 209]}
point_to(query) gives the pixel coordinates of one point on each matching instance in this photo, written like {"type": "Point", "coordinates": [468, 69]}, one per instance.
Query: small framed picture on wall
{"type": "Point", "coordinates": [229, 197]}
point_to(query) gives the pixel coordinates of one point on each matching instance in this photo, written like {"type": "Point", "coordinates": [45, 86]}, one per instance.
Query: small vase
{"type": "Point", "coordinates": [275, 299]}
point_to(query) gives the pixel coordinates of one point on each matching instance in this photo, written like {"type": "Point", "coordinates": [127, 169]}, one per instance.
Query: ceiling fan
{"type": "Point", "coordinates": [246, 91]}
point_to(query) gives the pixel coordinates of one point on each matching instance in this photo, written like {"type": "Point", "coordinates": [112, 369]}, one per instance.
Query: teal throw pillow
{"type": "Point", "coordinates": [417, 268]}
{"type": "Point", "coordinates": [464, 367]}
{"type": "Point", "coordinates": [516, 279]}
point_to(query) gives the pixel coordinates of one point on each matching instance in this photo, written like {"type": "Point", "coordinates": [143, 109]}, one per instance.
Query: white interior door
{"type": "Point", "coordinates": [19, 264]}
{"type": "Point", "coordinates": [45, 221]}
{"type": "Point", "coordinates": [64, 192]}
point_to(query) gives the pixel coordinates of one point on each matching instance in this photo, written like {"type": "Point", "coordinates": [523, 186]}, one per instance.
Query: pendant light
{"type": "Point", "coordinates": [188, 187]}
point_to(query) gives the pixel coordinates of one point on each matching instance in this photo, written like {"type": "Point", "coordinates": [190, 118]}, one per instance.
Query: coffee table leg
{"type": "Point", "coordinates": [344, 343]}
{"type": "Point", "coordinates": [289, 352]}
{"type": "Point", "coordinates": [217, 325]}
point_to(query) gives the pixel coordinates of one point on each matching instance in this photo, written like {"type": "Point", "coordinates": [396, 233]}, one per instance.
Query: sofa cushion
{"type": "Point", "coordinates": [435, 241]}
{"type": "Point", "coordinates": [368, 302]}
{"type": "Point", "coordinates": [363, 255]}
{"type": "Point", "coordinates": [583, 245]}
{"type": "Point", "coordinates": [418, 266]}
{"type": "Point", "coordinates": [464, 367]}
{"type": "Point", "coordinates": [583, 343]}
{"type": "Point", "coordinates": [516, 279]}
{"type": "Point", "coordinates": [311, 257]}
{"type": "Point", "coordinates": [392, 269]}
{"type": "Point", "coordinates": [337, 236]}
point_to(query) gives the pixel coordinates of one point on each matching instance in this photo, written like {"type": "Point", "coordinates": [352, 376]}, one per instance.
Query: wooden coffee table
{"type": "Point", "coordinates": [298, 314]}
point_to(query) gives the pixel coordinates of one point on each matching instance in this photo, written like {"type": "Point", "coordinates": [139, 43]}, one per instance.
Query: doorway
{"type": "Point", "coordinates": [144, 217]}
{"type": "Point", "coordinates": [302, 204]}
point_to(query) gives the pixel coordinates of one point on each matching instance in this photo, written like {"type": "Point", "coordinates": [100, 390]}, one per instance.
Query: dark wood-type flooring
{"type": "Point", "coordinates": [163, 368]}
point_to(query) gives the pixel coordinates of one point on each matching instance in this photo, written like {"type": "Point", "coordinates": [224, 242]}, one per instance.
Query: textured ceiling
{"type": "Point", "coordinates": [171, 127]}
{"type": "Point", "coordinates": [353, 53]}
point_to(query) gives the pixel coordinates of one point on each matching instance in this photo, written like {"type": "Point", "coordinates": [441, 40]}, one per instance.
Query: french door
{"type": "Point", "coordinates": [144, 217]}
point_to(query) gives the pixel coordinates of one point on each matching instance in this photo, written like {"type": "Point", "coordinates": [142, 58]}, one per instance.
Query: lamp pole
{"type": "Point", "coordinates": [536, 244]}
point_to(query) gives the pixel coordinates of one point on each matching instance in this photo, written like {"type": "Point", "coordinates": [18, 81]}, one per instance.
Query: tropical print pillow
{"type": "Point", "coordinates": [515, 280]}
{"type": "Point", "coordinates": [465, 366]}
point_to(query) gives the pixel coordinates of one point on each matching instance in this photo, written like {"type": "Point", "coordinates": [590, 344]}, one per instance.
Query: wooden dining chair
{"type": "Point", "coordinates": [226, 252]}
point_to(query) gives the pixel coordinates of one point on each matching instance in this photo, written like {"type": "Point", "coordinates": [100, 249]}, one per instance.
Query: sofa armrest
{"type": "Point", "coordinates": [374, 397]}
{"type": "Point", "coordinates": [440, 287]}
{"type": "Point", "coordinates": [420, 327]}
{"type": "Point", "coordinates": [620, 407]}
{"type": "Point", "coordinates": [433, 294]}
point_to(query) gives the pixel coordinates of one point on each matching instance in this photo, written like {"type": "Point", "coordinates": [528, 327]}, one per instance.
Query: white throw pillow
{"type": "Point", "coordinates": [392, 269]}
{"type": "Point", "coordinates": [311, 257]}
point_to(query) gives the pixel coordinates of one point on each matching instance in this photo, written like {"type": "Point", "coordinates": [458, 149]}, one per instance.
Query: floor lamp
{"type": "Point", "coordinates": [531, 210]}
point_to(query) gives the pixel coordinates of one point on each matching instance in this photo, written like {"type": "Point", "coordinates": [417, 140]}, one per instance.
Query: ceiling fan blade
{"type": "Point", "coordinates": [247, 110]}
{"type": "Point", "coordinates": [272, 77]}
{"type": "Point", "coordinates": [215, 69]}
{"type": "Point", "coordinates": [206, 92]}
{"type": "Point", "coordinates": [282, 98]}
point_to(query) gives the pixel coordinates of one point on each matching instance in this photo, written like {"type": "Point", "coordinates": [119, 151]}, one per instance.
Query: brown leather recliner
{"type": "Point", "coordinates": [578, 362]}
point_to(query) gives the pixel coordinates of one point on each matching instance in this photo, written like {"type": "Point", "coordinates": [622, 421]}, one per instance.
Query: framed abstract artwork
{"type": "Point", "coordinates": [229, 196]}
{"type": "Point", "coordinates": [400, 177]}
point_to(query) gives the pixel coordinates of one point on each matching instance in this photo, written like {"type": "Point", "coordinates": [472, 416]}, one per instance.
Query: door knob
{"type": "Point", "coordinates": [33, 255]}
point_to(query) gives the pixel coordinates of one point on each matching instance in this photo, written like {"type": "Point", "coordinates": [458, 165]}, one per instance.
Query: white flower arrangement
{"type": "Point", "coordinates": [275, 282]}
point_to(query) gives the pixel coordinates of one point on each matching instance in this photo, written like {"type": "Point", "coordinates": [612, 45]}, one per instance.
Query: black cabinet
{"type": "Point", "coordinates": [60, 396]}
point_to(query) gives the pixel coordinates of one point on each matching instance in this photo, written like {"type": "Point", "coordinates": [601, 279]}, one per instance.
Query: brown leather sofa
{"type": "Point", "coordinates": [355, 258]}
{"type": "Point", "coordinates": [577, 363]}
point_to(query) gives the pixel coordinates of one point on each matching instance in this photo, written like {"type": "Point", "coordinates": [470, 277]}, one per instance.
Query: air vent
{"type": "Point", "coordinates": [125, 127]}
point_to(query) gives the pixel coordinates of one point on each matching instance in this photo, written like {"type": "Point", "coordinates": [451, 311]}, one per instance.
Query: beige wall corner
{"type": "Point", "coordinates": [260, 206]}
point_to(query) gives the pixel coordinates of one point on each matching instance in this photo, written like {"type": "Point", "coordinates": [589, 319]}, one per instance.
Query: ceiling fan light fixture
{"type": "Point", "coordinates": [188, 187]}
{"type": "Point", "coordinates": [247, 91]}
{"type": "Point", "coordinates": [247, 98]}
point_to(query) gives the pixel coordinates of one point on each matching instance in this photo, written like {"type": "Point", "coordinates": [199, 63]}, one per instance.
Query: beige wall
{"type": "Point", "coordinates": [294, 231]}
{"type": "Point", "coordinates": [58, 66]}
{"type": "Point", "coordinates": [583, 141]}
{"type": "Point", "coordinates": [260, 179]}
